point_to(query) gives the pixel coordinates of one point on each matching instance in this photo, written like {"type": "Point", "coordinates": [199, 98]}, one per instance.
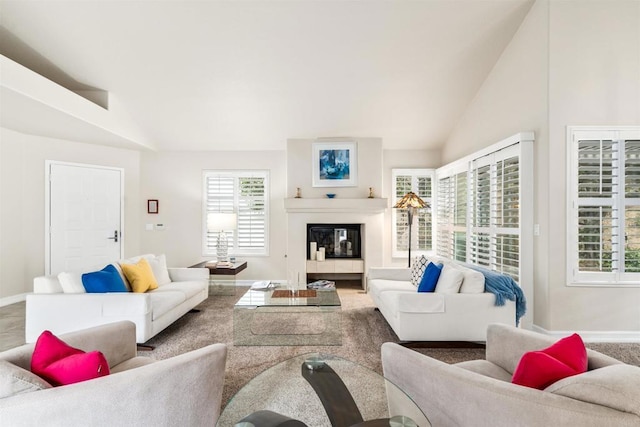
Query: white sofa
{"type": "Point", "coordinates": [434, 316]}
{"type": "Point", "coordinates": [49, 307]}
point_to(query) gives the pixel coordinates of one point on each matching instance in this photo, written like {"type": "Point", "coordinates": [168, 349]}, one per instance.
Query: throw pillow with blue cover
{"type": "Point", "coordinates": [106, 280]}
{"type": "Point", "coordinates": [430, 278]}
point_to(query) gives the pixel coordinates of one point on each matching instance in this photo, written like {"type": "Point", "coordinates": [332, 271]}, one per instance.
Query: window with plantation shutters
{"type": "Point", "coordinates": [452, 216]}
{"type": "Point", "coordinates": [246, 194]}
{"type": "Point", "coordinates": [495, 217]}
{"type": "Point", "coordinates": [604, 220]}
{"type": "Point", "coordinates": [419, 181]}
{"type": "Point", "coordinates": [479, 209]}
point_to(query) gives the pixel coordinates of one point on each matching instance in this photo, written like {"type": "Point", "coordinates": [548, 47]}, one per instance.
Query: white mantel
{"type": "Point", "coordinates": [298, 205]}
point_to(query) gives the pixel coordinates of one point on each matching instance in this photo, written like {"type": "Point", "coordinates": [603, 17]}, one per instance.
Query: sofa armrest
{"type": "Point", "coordinates": [184, 390]}
{"type": "Point", "coordinates": [47, 285]}
{"type": "Point", "coordinates": [389, 273]}
{"type": "Point", "coordinates": [61, 313]}
{"type": "Point", "coordinates": [418, 302]}
{"type": "Point", "coordinates": [453, 396]}
{"type": "Point", "coordinates": [188, 274]}
{"type": "Point", "coordinates": [117, 341]}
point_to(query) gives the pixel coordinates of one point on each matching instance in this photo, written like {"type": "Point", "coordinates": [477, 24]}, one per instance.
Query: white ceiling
{"type": "Point", "coordinates": [248, 75]}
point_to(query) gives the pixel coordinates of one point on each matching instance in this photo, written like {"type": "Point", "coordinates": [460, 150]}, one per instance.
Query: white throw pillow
{"type": "Point", "coordinates": [159, 267]}
{"type": "Point", "coordinates": [473, 282]}
{"type": "Point", "coordinates": [71, 283]}
{"type": "Point", "coordinates": [418, 267]}
{"type": "Point", "coordinates": [449, 281]}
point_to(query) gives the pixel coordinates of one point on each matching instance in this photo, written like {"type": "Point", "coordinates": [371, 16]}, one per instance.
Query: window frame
{"type": "Point", "coordinates": [415, 173]}
{"type": "Point", "coordinates": [619, 135]}
{"type": "Point", "coordinates": [236, 174]}
{"type": "Point", "coordinates": [523, 146]}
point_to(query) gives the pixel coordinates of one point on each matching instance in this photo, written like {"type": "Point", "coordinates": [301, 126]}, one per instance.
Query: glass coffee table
{"type": "Point", "coordinates": [321, 390]}
{"type": "Point", "coordinates": [281, 317]}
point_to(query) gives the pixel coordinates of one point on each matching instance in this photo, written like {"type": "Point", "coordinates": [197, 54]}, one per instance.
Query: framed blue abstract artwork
{"type": "Point", "coordinates": [335, 164]}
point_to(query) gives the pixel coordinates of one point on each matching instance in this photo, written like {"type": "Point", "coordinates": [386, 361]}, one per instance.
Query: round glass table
{"type": "Point", "coordinates": [319, 390]}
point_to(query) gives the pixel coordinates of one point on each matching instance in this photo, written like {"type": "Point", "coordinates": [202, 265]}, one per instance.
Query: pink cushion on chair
{"type": "Point", "coordinates": [540, 369]}
{"type": "Point", "coordinates": [60, 364]}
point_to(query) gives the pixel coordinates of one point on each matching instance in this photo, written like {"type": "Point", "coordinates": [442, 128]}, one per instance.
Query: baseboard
{"type": "Point", "coordinates": [12, 299]}
{"type": "Point", "coordinates": [595, 336]}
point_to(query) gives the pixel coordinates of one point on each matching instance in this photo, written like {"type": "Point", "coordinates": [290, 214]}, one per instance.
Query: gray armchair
{"type": "Point", "coordinates": [480, 392]}
{"type": "Point", "coordinates": [185, 390]}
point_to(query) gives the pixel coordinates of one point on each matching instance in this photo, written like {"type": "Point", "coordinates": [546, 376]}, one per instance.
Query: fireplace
{"type": "Point", "coordinates": [338, 240]}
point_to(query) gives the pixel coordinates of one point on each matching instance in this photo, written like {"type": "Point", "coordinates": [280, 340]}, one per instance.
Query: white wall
{"type": "Point", "coordinates": [570, 63]}
{"type": "Point", "coordinates": [594, 79]}
{"type": "Point", "coordinates": [299, 168]}
{"type": "Point", "coordinates": [175, 179]}
{"type": "Point", "coordinates": [22, 190]}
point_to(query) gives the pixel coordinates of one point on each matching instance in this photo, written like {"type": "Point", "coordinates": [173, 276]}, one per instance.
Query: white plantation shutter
{"type": "Point", "coordinates": [246, 194]}
{"type": "Point", "coordinates": [419, 181]}
{"type": "Point", "coordinates": [452, 216]}
{"type": "Point", "coordinates": [479, 211]}
{"type": "Point", "coordinates": [495, 219]}
{"type": "Point", "coordinates": [604, 224]}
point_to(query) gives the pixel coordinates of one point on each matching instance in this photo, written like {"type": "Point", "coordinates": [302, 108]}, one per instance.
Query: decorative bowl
{"type": "Point", "coordinates": [331, 195]}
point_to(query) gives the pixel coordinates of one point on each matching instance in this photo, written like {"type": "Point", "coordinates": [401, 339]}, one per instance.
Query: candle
{"type": "Point", "coordinates": [320, 254]}
{"type": "Point", "coordinates": [313, 248]}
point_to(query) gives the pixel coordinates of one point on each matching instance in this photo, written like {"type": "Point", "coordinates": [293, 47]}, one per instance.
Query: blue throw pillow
{"type": "Point", "coordinates": [106, 280]}
{"type": "Point", "coordinates": [430, 278]}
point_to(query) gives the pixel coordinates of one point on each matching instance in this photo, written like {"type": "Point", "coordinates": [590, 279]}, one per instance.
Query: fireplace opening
{"type": "Point", "coordinates": [338, 240]}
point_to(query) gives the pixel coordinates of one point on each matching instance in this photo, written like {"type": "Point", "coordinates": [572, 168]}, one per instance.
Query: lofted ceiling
{"type": "Point", "coordinates": [248, 75]}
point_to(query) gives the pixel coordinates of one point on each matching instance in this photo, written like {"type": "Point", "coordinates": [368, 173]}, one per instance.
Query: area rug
{"type": "Point", "coordinates": [364, 331]}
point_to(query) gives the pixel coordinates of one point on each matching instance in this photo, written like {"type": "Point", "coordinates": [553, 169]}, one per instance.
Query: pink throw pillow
{"type": "Point", "coordinates": [60, 364]}
{"type": "Point", "coordinates": [540, 369]}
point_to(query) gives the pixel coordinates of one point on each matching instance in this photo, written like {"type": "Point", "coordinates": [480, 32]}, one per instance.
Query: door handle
{"type": "Point", "coordinates": [115, 236]}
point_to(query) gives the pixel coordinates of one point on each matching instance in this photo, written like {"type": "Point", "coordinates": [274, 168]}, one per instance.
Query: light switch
{"type": "Point", "coordinates": [148, 227]}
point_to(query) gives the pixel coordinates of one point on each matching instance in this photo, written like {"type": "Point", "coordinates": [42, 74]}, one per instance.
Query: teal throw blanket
{"type": "Point", "coordinates": [504, 288]}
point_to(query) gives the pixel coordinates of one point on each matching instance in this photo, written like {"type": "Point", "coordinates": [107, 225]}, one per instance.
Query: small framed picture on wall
{"type": "Point", "coordinates": [152, 206]}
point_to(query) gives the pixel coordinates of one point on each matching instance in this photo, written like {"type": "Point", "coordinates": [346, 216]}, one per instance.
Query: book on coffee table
{"type": "Point", "coordinates": [321, 284]}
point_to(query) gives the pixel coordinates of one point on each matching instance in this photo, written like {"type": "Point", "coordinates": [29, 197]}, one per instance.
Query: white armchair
{"type": "Point", "coordinates": [185, 390]}
{"type": "Point", "coordinates": [480, 393]}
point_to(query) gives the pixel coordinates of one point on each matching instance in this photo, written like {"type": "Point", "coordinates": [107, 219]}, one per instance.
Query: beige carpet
{"type": "Point", "coordinates": [364, 331]}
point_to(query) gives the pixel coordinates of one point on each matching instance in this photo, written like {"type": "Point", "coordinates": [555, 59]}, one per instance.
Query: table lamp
{"type": "Point", "coordinates": [412, 202]}
{"type": "Point", "coordinates": [220, 222]}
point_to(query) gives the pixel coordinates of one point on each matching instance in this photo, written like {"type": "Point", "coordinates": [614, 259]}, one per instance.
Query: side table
{"type": "Point", "coordinates": [222, 285]}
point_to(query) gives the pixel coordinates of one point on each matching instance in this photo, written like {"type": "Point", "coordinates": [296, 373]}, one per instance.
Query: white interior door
{"type": "Point", "coordinates": [84, 218]}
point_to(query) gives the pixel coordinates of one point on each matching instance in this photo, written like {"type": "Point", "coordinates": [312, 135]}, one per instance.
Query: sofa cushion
{"type": "Point", "coordinates": [430, 278]}
{"type": "Point", "coordinates": [418, 268]}
{"type": "Point", "coordinates": [540, 369]}
{"type": "Point", "coordinates": [189, 289]}
{"type": "Point", "coordinates": [71, 282]}
{"type": "Point", "coordinates": [159, 267]}
{"type": "Point", "coordinates": [140, 276]}
{"type": "Point", "coordinates": [449, 281]}
{"type": "Point", "coordinates": [486, 368]}
{"type": "Point", "coordinates": [614, 386]}
{"type": "Point", "coordinates": [15, 380]}
{"type": "Point", "coordinates": [106, 280]}
{"type": "Point", "coordinates": [60, 364]}
{"type": "Point", "coordinates": [163, 302]}
{"type": "Point", "coordinates": [473, 282]}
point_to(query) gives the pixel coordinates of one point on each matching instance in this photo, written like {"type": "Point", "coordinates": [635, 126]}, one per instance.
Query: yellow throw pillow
{"type": "Point", "coordinates": [140, 276]}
